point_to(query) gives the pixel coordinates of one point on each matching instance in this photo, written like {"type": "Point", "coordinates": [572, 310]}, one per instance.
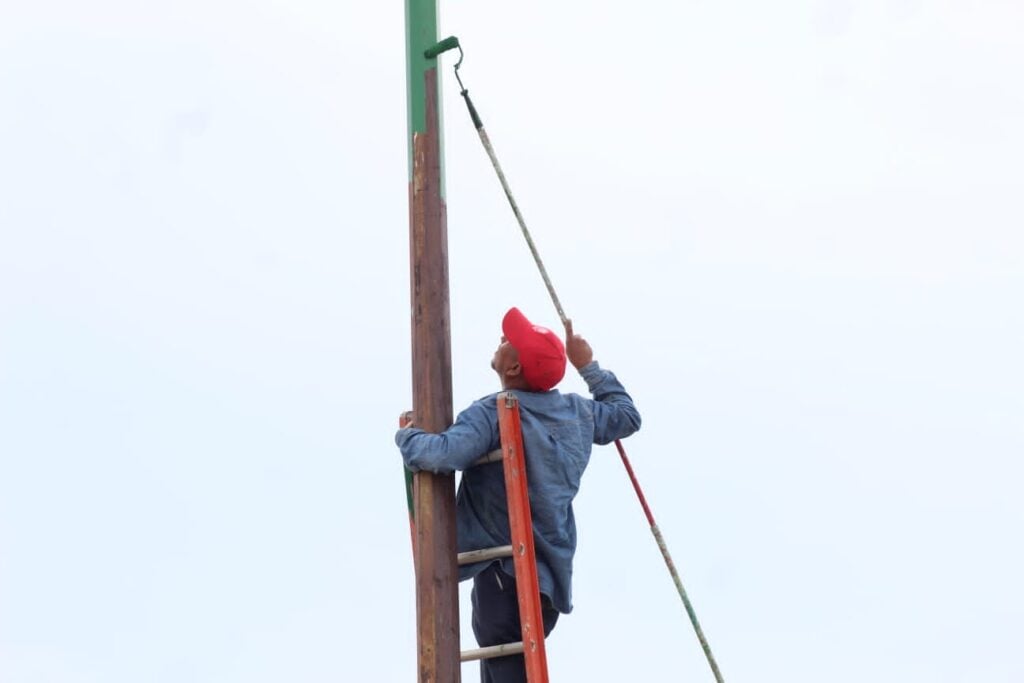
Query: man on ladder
{"type": "Point", "coordinates": [558, 431]}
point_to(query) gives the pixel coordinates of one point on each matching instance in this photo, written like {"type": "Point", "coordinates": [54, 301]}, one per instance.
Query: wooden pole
{"type": "Point", "coordinates": [437, 612]}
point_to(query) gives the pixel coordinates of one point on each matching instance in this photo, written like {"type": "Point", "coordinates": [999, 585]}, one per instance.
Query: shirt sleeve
{"type": "Point", "coordinates": [474, 433]}
{"type": "Point", "coordinates": [615, 416]}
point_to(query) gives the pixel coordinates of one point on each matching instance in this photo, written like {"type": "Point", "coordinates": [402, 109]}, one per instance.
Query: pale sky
{"type": "Point", "coordinates": [793, 230]}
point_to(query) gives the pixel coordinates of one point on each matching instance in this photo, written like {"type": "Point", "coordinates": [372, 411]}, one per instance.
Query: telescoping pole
{"type": "Point", "coordinates": [452, 43]}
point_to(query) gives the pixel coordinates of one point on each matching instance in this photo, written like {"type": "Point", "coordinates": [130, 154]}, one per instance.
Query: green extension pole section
{"type": "Point", "coordinates": [671, 565]}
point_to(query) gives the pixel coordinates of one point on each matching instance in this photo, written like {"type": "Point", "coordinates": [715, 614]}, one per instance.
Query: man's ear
{"type": "Point", "coordinates": [514, 370]}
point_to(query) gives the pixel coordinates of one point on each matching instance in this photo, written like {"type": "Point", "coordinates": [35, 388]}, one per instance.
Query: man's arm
{"type": "Point", "coordinates": [615, 416]}
{"type": "Point", "coordinates": [474, 433]}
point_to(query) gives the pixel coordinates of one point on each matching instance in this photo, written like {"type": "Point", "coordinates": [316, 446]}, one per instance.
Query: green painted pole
{"type": "Point", "coordinates": [433, 495]}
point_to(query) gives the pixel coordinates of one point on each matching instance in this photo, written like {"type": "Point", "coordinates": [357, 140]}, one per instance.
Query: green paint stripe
{"type": "Point", "coordinates": [420, 33]}
{"type": "Point", "coordinates": [408, 491]}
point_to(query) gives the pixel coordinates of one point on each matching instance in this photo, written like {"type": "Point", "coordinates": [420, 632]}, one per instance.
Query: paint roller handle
{"type": "Point", "coordinates": [477, 123]}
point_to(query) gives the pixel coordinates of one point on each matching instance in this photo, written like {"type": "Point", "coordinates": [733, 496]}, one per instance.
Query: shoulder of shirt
{"type": "Point", "coordinates": [485, 401]}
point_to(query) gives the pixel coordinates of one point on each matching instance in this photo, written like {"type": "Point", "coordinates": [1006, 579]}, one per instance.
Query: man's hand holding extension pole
{"type": "Point", "coordinates": [577, 349]}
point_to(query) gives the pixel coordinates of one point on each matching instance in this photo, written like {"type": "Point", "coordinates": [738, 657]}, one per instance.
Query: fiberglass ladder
{"type": "Point", "coordinates": [521, 551]}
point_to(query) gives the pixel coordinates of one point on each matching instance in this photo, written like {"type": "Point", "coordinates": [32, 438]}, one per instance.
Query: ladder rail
{"type": "Point", "coordinates": [521, 524]}
{"type": "Point", "coordinates": [524, 557]}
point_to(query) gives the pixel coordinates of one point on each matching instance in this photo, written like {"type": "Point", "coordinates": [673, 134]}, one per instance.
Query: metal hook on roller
{"type": "Point", "coordinates": [449, 43]}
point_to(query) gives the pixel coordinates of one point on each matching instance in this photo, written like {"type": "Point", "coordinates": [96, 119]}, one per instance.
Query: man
{"type": "Point", "coordinates": [558, 432]}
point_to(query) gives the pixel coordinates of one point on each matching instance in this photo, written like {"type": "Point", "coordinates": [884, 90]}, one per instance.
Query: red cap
{"type": "Point", "coordinates": [541, 352]}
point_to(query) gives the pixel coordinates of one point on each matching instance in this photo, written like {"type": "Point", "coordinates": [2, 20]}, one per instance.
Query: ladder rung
{"type": "Point", "coordinates": [471, 556]}
{"type": "Point", "coordinates": [493, 456]}
{"type": "Point", "coordinates": [493, 651]}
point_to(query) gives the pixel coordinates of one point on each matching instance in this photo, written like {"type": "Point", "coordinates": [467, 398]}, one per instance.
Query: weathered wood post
{"type": "Point", "coordinates": [437, 612]}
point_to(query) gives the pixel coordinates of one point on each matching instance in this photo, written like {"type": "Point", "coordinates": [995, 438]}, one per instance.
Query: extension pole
{"type": "Point", "coordinates": [489, 148]}
{"type": "Point", "coordinates": [670, 564]}
{"type": "Point", "coordinates": [453, 43]}
{"type": "Point", "coordinates": [437, 612]}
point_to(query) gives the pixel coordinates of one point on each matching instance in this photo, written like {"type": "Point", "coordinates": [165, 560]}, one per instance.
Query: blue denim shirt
{"type": "Point", "coordinates": [558, 432]}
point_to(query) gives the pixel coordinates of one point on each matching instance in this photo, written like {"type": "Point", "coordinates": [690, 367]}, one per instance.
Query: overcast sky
{"type": "Point", "coordinates": [793, 229]}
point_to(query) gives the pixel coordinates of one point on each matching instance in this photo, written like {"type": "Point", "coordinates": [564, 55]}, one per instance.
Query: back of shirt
{"type": "Point", "coordinates": [558, 433]}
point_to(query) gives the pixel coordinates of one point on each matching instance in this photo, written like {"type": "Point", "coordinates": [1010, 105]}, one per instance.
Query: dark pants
{"type": "Point", "coordinates": [496, 621]}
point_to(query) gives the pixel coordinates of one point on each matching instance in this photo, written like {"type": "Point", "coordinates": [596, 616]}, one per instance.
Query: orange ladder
{"type": "Point", "coordinates": [521, 550]}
